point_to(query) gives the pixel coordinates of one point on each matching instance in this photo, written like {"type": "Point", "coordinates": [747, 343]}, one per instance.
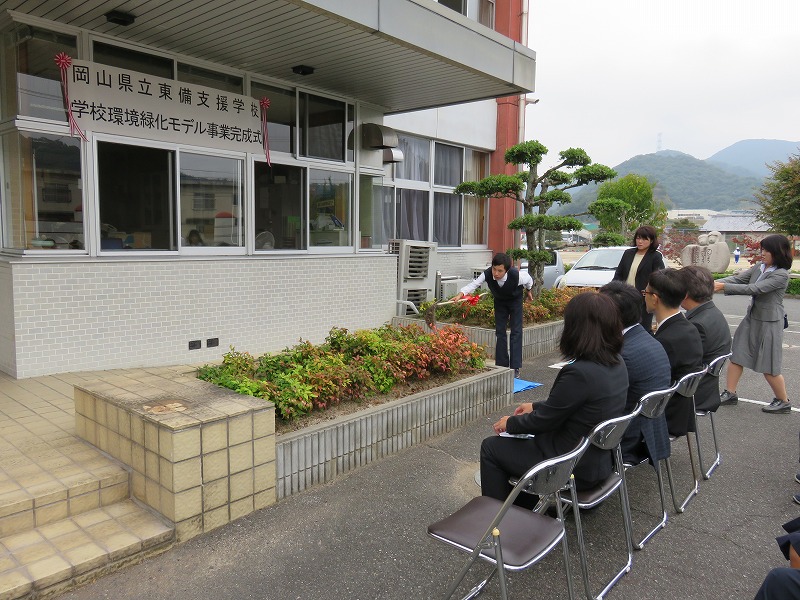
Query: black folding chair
{"type": "Point", "coordinates": [607, 436]}
{"type": "Point", "coordinates": [714, 369]}
{"type": "Point", "coordinates": [687, 386]}
{"type": "Point", "coordinates": [508, 536]}
{"type": "Point", "coordinates": [652, 406]}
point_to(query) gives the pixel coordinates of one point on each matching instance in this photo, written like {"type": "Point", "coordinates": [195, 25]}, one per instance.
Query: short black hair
{"type": "Point", "coordinates": [699, 283]}
{"type": "Point", "coordinates": [501, 258]}
{"type": "Point", "coordinates": [669, 286]}
{"type": "Point", "coordinates": [778, 246]}
{"type": "Point", "coordinates": [649, 232]}
{"type": "Point", "coordinates": [628, 300]}
{"type": "Point", "coordinates": [592, 329]}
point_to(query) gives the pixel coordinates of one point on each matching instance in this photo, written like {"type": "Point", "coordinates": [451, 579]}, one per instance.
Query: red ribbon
{"type": "Point", "coordinates": [64, 62]}
{"type": "Point", "coordinates": [472, 300]}
{"type": "Point", "coordinates": [264, 134]}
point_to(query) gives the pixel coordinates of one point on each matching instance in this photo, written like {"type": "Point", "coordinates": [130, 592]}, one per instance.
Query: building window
{"type": "Point", "coordinates": [279, 207]}
{"type": "Point", "coordinates": [211, 79]}
{"type": "Point", "coordinates": [135, 197]}
{"type": "Point", "coordinates": [412, 214]}
{"type": "Point", "coordinates": [329, 194]}
{"type": "Point", "coordinates": [28, 54]}
{"type": "Point", "coordinates": [448, 165]}
{"type": "Point", "coordinates": [323, 127]}
{"type": "Point", "coordinates": [416, 159]}
{"type": "Point", "coordinates": [281, 116]}
{"type": "Point", "coordinates": [133, 60]}
{"type": "Point", "coordinates": [446, 219]}
{"type": "Point", "coordinates": [456, 5]}
{"type": "Point", "coordinates": [43, 200]}
{"type": "Point", "coordinates": [476, 167]}
{"type": "Point", "coordinates": [211, 188]}
{"type": "Point", "coordinates": [486, 13]}
{"type": "Point", "coordinates": [376, 212]}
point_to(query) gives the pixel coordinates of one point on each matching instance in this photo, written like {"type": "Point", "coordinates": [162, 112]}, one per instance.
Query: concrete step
{"type": "Point", "coordinates": [51, 558]}
{"type": "Point", "coordinates": [35, 499]}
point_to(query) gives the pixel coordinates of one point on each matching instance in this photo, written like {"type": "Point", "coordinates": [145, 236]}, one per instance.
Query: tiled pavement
{"type": "Point", "coordinates": [65, 512]}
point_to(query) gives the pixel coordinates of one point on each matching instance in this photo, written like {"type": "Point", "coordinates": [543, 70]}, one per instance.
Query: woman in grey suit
{"type": "Point", "coordinates": [758, 341]}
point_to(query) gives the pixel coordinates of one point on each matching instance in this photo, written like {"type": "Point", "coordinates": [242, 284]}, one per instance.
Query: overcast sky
{"type": "Point", "coordinates": [616, 76]}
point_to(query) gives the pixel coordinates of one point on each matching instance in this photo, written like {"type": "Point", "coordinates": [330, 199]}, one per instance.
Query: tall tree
{"type": "Point", "coordinates": [538, 193]}
{"type": "Point", "coordinates": [779, 196]}
{"type": "Point", "coordinates": [626, 203]}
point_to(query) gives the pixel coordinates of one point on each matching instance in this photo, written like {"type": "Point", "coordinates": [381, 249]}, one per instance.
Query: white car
{"type": "Point", "coordinates": [593, 269]}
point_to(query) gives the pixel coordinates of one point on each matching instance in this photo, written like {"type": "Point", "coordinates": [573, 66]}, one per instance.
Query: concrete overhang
{"type": "Point", "coordinates": [400, 55]}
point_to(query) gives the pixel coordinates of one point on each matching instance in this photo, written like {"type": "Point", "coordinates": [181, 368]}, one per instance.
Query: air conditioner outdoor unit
{"type": "Point", "coordinates": [448, 289]}
{"type": "Point", "coordinates": [476, 271]}
{"type": "Point", "coordinates": [416, 272]}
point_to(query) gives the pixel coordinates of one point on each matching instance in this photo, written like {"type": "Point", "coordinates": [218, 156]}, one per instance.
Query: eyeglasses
{"type": "Point", "coordinates": [645, 292]}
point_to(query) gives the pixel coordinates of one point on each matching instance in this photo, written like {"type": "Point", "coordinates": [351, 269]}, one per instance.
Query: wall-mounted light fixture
{"type": "Point", "coordinates": [117, 17]}
{"type": "Point", "coordinates": [302, 70]}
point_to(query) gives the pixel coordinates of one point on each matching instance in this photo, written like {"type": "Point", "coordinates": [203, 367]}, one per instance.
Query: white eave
{"type": "Point", "coordinates": [401, 55]}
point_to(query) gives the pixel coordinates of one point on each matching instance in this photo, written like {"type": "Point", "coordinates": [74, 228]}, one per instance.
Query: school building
{"type": "Point", "coordinates": [181, 177]}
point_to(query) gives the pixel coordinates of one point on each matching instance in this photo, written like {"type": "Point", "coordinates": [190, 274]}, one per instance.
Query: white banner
{"type": "Point", "coordinates": [111, 100]}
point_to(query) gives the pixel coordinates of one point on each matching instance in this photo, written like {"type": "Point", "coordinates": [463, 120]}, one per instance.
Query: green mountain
{"type": "Point", "coordinates": [681, 181]}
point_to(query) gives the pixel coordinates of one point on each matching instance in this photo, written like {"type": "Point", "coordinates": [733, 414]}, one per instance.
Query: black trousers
{"type": "Point", "coordinates": [508, 314]}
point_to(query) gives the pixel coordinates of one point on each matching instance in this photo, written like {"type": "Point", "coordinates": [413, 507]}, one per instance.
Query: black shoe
{"type": "Point", "coordinates": [797, 477]}
{"type": "Point", "coordinates": [778, 407]}
{"type": "Point", "coordinates": [516, 373]}
{"type": "Point", "coordinates": [727, 398]}
{"type": "Point", "coordinates": [796, 498]}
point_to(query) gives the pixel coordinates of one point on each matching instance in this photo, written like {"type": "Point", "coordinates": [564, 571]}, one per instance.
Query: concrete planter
{"type": "Point", "coordinates": [320, 453]}
{"type": "Point", "coordinates": [536, 340]}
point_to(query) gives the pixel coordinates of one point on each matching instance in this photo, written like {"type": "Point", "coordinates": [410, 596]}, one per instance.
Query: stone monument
{"type": "Point", "coordinates": [710, 251]}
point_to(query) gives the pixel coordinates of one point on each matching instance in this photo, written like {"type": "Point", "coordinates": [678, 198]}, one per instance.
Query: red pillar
{"type": "Point", "coordinates": [508, 21]}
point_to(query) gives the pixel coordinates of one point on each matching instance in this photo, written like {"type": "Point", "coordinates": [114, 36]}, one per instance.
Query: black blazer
{"type": "Point", "coordinates": [583, 395]}
{"type": "Point", "coordinates": [685, 352]}
{"type": "Point", "coordinates": [651, 262]}
{"type": "Point", "coordinates": [715, 334]}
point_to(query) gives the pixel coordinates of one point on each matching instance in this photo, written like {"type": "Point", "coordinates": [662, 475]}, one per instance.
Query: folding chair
{"type": "Point", "coordinates": [652, 406]}
{"type": "Point", "coordinates": [687, 386]}
{"type": "Point", "coordinates": [607, 436]}
{"type": "Point", "coordinates": [714, 369]}
{"type": "Point", "coordinates": [508, 536]}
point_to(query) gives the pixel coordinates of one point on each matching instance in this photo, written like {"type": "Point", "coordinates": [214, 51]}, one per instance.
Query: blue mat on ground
{"type": "Point", "coordinates": [520, 385]}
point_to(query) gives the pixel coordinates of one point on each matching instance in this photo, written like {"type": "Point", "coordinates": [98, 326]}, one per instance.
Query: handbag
{"type": "Point", "coordinates": [785, 321]}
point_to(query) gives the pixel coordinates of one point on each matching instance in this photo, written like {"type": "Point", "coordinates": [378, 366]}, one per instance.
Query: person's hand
{"type": "Point", "coordinates": [719, 286]}
{"type": "Point", "coordinates": [500, 426]}
{"type": "Point", "coordinates": [530, 296]}
{"type": "Point", "coordinates": [524, 408]}
{"type": "Point", "coordinates": [457, 297]}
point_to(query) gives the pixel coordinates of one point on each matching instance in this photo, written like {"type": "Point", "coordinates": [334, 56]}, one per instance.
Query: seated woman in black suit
{"type": "Point", "coordinates": [591, 389]}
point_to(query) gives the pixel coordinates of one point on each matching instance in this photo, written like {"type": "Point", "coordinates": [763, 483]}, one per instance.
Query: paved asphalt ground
{"type": "Point", "coordinates": [364, 535]}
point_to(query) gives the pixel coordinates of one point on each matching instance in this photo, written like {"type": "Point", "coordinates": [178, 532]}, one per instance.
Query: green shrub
{"type": "Point", "coordinates": [346, 367]}
{"type": "Point", "coordinates": [548, 307]}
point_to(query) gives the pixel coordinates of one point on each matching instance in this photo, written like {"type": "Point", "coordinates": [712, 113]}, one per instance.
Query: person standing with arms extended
{"type": "Point", "coordinates": [638, 263]}
{"type": "Point", "coordinates": [758, 341]}
{"type": "Point", "coordinates": [505, 283]}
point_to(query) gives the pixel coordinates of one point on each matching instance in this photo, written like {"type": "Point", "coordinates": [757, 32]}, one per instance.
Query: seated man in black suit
{"type": "Point", "coordinates": [648, 371]}
{"type": "Point", "coordinates": [715, 334]}
{"type": "Point", "coordinates": [663, 295]}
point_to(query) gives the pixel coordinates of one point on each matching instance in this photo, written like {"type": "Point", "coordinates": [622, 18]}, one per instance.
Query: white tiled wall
{"type": "Point", "coordinates": [7, 357]}
{"type": "Point", "coordinates": [103, 314]}
{"type": "Point", "coordinates": [462, 263]}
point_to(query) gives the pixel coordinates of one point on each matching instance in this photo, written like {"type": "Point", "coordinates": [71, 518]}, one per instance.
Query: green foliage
{"type": "Point", "coordinates": [684, 224]}
{"type": "Point", "coordinates": [494, 186]}
{"type": "Point", "coordinates": [527, 153]}
{"type": "Point", "coordinates": [549, 306]}
{"type": "Point", "coordinates": [794, 287]}
{"type": "Point", "coordinates": [347, 367]}
{"type": "Point", "coordinates": [575, 157]}
{"type": "Point", "coordinates": [626, 203]}
{"type": "Point", "coordinates": [779, 196]}
{"type": "Point", "coordinates": [608, 238]}
{"type": "Point", "coordinates": [548, 222]}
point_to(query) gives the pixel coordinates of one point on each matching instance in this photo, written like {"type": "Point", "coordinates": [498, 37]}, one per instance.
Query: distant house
{"type": "Point", "coordinates": [735, 224]}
